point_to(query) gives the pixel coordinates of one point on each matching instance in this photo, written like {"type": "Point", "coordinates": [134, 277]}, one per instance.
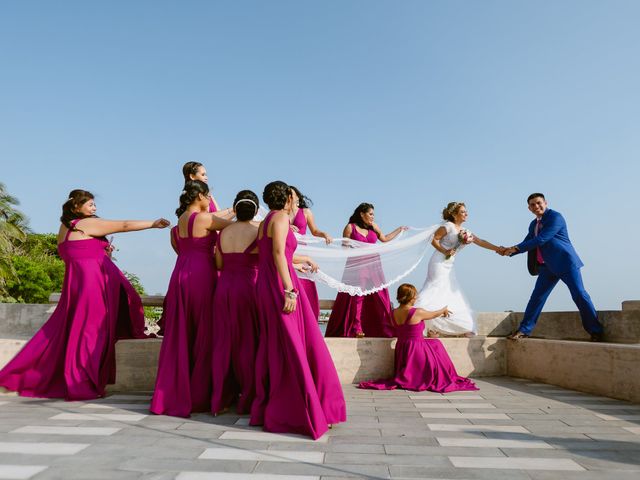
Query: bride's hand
{"type": "Point", "coordinates": [450, 253]}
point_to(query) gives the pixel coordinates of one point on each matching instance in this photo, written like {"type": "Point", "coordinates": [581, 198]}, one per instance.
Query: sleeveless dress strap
{"type": "Point", "coordinates": [412, 310]}
{"type": "Point", "coordinates": [69, 230]}
{"type": "Point", "coordinates": [251, 246]}
{"type": "Point", "coordinates": [265, 222]}
{"type": "Point", "coordinates": [192, 219]}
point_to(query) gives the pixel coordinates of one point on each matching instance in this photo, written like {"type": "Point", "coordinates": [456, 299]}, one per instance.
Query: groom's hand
{"type": "Point", "coordinates": [501, 250]}
{"type": "Point", "coordinates": [510, 251]}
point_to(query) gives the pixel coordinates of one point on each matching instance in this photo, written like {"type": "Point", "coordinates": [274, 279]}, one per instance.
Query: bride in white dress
{"type": "Point", "coordinates": [441, 287]}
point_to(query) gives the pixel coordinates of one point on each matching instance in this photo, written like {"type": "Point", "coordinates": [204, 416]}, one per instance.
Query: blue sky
{"type": "Point", "coordinates": [407, 105]}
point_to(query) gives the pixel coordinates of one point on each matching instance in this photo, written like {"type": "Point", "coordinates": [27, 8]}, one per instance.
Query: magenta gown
{"type": "Point", "coordinates": [73, 355]}
{"type": "Point", "coordinates": [183, 383]}
{"type": "Point", "coordinates": [174, 234]}
{"type": "Point", "coordinates": [370, 314]}
{"type": "Point", "coordinates": [297, 386]}
{"type": "Point", "coordinates": [306, 285]}
{"type": "Point", "coordinates": [235, 339]}
{"type": "Point", "coordinates": [421, 364]}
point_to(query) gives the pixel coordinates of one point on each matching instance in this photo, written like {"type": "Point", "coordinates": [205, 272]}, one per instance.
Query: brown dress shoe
{"type": "Point", "coordinates": [517, 335]}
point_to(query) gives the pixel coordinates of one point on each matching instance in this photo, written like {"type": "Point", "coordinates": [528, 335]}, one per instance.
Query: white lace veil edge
{"type": "Point", "coordinates": [359, 268]}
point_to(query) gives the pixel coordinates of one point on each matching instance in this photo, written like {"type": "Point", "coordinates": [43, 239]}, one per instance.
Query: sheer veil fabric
{"type": "Point", "coordinates": [353, 267]}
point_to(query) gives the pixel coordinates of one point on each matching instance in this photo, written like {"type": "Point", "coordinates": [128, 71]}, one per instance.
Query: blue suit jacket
{"type": "Point", "coordinates": [553, 240]}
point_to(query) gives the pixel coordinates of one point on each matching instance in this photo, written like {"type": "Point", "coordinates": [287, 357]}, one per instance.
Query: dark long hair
{"type": "Point", "coordinates": [303, 200]}
{"type": "Point", "coordinates": [192, 189]}
{"type": "Point", "coordinates": [356, 218]}
{"type": "Point", "coordinates": [190, 168]}
{"type": "Point", "coordinates": [245, 210]}
{"type": "Point", "coordinates": [76, 199]}
{"type": "Point", "coordinates": [276, 194]}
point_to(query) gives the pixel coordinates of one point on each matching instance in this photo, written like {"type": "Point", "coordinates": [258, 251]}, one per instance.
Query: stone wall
{"type": "Point", "coordinates": [608, 369]}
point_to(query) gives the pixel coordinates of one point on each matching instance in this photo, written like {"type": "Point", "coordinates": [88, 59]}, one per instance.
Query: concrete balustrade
{"type": "Point", "coordinates": [554, 356]}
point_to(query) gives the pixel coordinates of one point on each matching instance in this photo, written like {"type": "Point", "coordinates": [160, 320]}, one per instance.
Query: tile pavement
{"type": "Point", "coordinates": [510, 429]}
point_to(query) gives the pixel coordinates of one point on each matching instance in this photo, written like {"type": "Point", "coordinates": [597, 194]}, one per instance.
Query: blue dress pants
{"type": "Point", "coordinates": [544, 285]}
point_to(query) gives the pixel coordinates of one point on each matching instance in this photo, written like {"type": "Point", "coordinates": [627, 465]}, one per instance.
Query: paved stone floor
{"type": "Point", "coordinates": [510, 429]}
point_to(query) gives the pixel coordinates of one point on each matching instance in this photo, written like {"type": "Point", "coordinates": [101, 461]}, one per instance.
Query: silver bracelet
{"type": "Point", "coordinates": [291, 294]}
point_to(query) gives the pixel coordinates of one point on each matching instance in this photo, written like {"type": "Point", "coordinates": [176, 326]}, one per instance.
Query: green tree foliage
{"type": "Point", "coordinates": [152, 314]}
{"type": "Point", "coordinates": [13, 230]}
{"type": "Point", "coordinates": [135, 282]}
{"type": "Point", "coordinates": [39, 270]}
{"type": "Point", "coordinates": [30, 267]}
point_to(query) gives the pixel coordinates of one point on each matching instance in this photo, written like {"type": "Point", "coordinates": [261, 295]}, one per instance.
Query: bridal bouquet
{"type": "Point", "coordinates": [465, 237]}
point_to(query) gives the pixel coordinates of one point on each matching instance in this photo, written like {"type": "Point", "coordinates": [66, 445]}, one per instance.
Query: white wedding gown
{"type": "Point", "coordinates": [441, 289]}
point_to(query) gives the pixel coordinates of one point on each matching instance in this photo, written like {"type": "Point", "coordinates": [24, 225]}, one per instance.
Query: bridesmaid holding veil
{"type": "Point", "coordinates": [301, 218]}
{"type": "Point", "coordinates": [441, 286]}
{"type": "Point", "coordinates": [369, 315]}
{"type": "Point", "coordinates": [73, 355]}
{"type": "Point", "coordinates": [183, 382]}
{"type": "Point", "coordinates": [297, 386]}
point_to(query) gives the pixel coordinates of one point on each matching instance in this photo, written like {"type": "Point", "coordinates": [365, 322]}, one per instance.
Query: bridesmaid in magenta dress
{"type": "Point", "coordinates": [73, 355]}
{"type": "Point", "coordinates": [197, 171]}
{"type": "Point", "coordinates": [235, 317]}
{"type": "Point", "coordinates": [370, 315]}
{"type": "Point", "coordinates": [420, 363]}
{"type": "Point", "coordinates": [194, 171]}
{"type": "Point", "coordinates": [302, 217]}
{"type": "Point", "coordinates": [297, 386]}
{"type": "Point", "coordinates": [183, 383]}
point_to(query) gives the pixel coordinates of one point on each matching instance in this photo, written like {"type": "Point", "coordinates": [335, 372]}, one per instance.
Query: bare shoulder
{"type": "Point", "coordinates": [280, 217]}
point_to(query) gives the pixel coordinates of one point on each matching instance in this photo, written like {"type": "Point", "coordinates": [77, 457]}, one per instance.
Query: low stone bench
{"type": "Point", "coordinates": [607, 369]}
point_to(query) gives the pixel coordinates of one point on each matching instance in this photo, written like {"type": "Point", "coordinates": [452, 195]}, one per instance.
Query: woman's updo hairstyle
{"type": "Point", "coordinates": [276, 194]}
{"type": "Point", "coordinates": [192, 189]}
{"type": "Point", "coordinates": [450, 210]}
{"type": "Point", "coordinates": [303, 200]}
{"type": "Point", "coordinates": [190, 168]}
{"type": "Point", "coordinates": [245, 205]}
{"type": "Point", "coordinates": [406, 293]}
{"type": "Point", "coordinates": [77, 198]}
{"type": "Point", "coordinates": [356, 217]}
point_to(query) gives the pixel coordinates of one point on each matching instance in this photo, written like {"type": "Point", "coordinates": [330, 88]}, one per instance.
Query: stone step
{"type": "Point", "coordinates": [356, 360]}
{"type": "Point", "coordinates": [605, 369]}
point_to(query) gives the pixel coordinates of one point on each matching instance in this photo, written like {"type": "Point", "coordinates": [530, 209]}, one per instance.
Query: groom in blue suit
{"type": "Point", "coordinates": [553, 258]}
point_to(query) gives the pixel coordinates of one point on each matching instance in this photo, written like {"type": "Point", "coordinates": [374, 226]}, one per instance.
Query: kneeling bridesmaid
{"type": "Point", "coordinates": [420, 363]}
